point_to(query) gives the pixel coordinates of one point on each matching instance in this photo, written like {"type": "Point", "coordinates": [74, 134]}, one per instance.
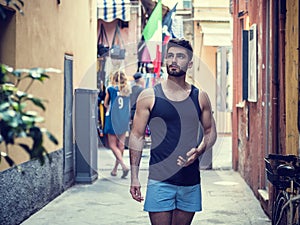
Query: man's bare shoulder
{"type": "Point", "coordinates": [204, 100]}
{"type": "Point", "coordinates": [146, 93]}
{"type": "Point", "coordinates": [146, 97]}
{"type": "Point", "coordinates": [202, 93]}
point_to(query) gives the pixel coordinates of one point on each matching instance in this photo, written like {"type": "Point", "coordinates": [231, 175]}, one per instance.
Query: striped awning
{"type": "Point", "coordinates": [109, 10]}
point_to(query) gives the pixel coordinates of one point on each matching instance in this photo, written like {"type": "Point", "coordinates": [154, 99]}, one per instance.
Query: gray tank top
{"type": "Point", "coordinates": [175, 128]}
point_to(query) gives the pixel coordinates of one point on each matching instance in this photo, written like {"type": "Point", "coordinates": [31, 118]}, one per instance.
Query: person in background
{"type": "Point", "coordinates": [101, 111]}
{"type": "Point", "coordinates": [182, 129]}
{"type": "Point", "coordinates": [136, 89]}
{"type": "Point", "coordinates": [150, 76]}
{"type": "Point", "coordinates": [117, 104]}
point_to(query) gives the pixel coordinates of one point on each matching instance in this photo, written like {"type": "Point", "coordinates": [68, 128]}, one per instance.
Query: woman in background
{"type": "Point", "coordinates": [117, 103]}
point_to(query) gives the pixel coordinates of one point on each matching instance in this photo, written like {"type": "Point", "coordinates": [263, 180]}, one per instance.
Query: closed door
{"type": "Point", "coordinates": [69, 172]}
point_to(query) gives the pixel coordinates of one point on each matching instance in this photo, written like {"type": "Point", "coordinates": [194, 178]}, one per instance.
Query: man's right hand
{"type": "Point", "coordinates": [135, 191]}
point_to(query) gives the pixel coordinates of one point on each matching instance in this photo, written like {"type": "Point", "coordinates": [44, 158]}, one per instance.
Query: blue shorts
{"type": "Point", "coordinates": [161, 197]}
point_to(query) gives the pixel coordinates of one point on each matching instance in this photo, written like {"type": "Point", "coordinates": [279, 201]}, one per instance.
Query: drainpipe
{"type": "Point", "coordinates": [298, 73]}
{"type": "Point", "coordinates": [281, 69]}
{"type": "Point", "coordinates": [267, 63]}
{"type": "Point", "coordinates": [275, 82]}
{"type": "Point", "coordinates": [275, 93]}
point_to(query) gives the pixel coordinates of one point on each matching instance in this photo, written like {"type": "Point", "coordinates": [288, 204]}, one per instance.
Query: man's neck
{"type": "Point", "coordinates": [176, 81]}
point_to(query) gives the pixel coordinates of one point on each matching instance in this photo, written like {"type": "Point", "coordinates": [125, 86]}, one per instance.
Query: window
{"type": "Point", "coordinates": [252, 70]}
{"type": "Point", "coordinates": [187, 4]}
{"type": "Point", "coordinates": [8, 37]}
{"type": "Point", "coordinates": [245, 57]}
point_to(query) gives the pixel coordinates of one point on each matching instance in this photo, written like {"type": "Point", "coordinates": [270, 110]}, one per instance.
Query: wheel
{"type": "Point", "coordinates": [278, 204]}
{"type": "Point", "coordinates": [281, 199]}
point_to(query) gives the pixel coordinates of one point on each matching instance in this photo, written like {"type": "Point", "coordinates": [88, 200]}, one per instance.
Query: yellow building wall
{"type": "Point", "coordinates": [291, 77]}
{"type": "Point", "coordinates": [204, 70]}
{"type": "Point", "coordinates": [202, 75]}
{"type": "Point", "coordinates": [42, 37]}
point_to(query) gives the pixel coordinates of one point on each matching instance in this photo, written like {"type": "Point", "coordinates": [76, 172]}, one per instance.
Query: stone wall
{"type": "Point", "coordinates": [24, 192]}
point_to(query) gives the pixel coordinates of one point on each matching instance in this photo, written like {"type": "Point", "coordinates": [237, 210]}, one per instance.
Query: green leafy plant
{"type": "Point", "coordinates": [16, 122]}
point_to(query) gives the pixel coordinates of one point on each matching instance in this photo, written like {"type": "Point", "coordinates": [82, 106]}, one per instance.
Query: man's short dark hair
{"type": "Point", "coordinates": [176, 42]}
{"type": "Point", "coordinates": [137, 76]}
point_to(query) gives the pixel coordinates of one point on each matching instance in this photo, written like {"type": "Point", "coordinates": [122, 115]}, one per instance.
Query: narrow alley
{"type": "Point", "coordinates": [227, 199]}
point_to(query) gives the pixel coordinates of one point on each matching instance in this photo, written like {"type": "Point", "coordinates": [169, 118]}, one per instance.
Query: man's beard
{"type": "Point", "coordinates": [174, 73]}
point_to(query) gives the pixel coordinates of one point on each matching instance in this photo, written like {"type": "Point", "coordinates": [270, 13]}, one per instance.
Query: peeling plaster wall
{"type": "Point", "coordinates": [248, 116]}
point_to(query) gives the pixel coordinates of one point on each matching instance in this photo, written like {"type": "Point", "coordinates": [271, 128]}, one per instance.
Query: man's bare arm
{"type": "Point", "coordinates": [208, 123]}
{"type": "Point", "coordinates": [136, 140]}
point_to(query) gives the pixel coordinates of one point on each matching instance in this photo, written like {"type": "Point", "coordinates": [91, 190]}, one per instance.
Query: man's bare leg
{"type": "Point", "coordinates": [161, 218]}
{"type": "Point", "coordinates": [180, 217]}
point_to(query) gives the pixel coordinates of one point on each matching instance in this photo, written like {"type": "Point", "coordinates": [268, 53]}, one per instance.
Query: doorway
{"type": "Point", "coordinates": [68, 145]}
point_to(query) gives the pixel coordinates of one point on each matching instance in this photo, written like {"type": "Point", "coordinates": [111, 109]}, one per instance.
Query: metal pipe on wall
{"type": "Point", "coordinates": [275, 81]}
{"type": "Point", "coordinates": [281, 70]}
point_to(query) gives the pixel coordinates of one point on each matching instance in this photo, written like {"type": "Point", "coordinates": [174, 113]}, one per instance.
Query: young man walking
{"type": "Point", "coordinates": [182, 128]}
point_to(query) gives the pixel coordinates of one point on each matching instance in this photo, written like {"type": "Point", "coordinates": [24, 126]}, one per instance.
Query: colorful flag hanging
{"type": "Point", "coordinates": [167, 32]}
{"type": "Point", "coordinates": [152, 34]}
